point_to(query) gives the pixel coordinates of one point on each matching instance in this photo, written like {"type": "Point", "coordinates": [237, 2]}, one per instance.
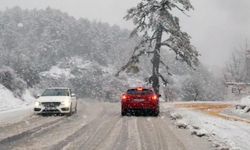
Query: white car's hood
{"type": "Point", "coordinates": [53, 98]}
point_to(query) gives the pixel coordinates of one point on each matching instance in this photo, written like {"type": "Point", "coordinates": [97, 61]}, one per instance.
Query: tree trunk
{"type": "Point", "coordinates": [156, 61]}
{"type": "Point", "coordinates": [196, 94]}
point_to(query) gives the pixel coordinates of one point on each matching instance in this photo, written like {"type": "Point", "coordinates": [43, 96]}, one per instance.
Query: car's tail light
{"type": "Point", "coordinates": [154, 97]}
{"type": "Point", "coordinates": [124, 97]}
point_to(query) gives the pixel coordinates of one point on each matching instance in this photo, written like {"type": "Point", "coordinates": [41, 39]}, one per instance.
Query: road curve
{"type": "Point", "coordinates": [98, 126]}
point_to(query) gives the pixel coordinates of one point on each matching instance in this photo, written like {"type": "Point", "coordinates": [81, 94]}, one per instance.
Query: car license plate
{"type": "Point", "coordinates": [50, 108]}
{"type": "Point", "coordinates": [138, 100]}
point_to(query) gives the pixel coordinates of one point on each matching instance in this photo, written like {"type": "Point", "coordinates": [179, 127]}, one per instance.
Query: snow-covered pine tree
{"type": "Point", "coordinates": [155, 22]}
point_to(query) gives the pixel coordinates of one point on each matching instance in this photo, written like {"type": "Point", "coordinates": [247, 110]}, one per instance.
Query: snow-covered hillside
{"type": "Point", "coordinates": [89, 79]}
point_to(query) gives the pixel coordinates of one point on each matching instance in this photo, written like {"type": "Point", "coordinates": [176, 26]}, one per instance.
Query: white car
{"type": "Point", "coordinates": [56, 100]}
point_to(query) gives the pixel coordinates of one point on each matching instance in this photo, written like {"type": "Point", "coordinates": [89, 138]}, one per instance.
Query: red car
{"type": "Point", "coordinates": [140, 100]}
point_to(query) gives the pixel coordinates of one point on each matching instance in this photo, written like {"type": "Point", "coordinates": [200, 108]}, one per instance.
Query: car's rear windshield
{"type": "Point", "coordinates": [56, 92]}
{"type": "Point", "coordinates": [139, 92]}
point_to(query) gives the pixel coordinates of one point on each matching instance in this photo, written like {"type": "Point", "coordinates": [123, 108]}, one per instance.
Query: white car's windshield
{"type": "Point", "coordinates": [56, 92]}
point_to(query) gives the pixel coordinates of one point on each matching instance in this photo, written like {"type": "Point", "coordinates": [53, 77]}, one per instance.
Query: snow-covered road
{"type": "Point", "coordinates": [99, 126]}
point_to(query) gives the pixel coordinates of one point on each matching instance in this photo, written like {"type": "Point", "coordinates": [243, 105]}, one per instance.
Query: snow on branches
{"type": "Point", "coordinates": [158, 27]}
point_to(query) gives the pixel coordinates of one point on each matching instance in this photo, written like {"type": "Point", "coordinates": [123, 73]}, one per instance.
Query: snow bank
{"type": "Point", "coordinates": [8, 101]}
{"type": "Point", "coordinates": [223, 133]}
{"type": "Point", "coordinates": [184, 123]}
{"type": "Point", "coordinates": [245, 101]}
{"type": "Point", "coordinates": [243, 106]}
{"type": "Point", "coordinates": [175, 116]}
{"type": "Point", "coordinates": [181, 124]}
{"type": "Point", "coordinates": [199, 132]}
{"type": "Point", "coordinates": [13, 109]}
{"type": "Point", "coordinates": [15, 115]}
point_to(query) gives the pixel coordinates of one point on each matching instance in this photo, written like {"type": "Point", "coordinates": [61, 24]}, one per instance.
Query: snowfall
{"type": "Point", "coordinates": [223, 133]}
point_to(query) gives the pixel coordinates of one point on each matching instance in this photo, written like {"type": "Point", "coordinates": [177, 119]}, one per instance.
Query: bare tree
{"type": "Point", "coordinates": [159, 28]}
{"type": "Point", "coordinates": [192, 89]}
{"type": "Point", "coordinates": [237, 69]}
{"type": "Point", "coordinates": [202, 85]}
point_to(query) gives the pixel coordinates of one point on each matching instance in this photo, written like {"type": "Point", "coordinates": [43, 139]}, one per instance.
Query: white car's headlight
{"type": "Point", "coordinates": [37, 104]}
{"type": "Point", "coordinates": [66, 103]}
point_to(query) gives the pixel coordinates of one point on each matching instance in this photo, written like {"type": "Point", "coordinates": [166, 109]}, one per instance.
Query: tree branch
{"type": "Point", "coordinates": [165, 82]}
{"type": "Point", "coordinates": [166, 66]}
{"type": "Point", "coordinates": [133, 59]}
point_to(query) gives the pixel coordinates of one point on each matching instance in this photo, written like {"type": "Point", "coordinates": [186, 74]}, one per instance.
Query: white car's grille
{"type": "Point", "coordinates": [51, 104]}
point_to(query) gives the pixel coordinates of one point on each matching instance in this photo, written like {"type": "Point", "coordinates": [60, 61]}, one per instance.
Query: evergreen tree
{"type": "Point", "coordinates": [159, 28]}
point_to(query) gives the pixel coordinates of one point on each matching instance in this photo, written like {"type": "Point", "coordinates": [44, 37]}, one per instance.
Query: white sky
{"type": "Point", "coordinates": [217, 26]}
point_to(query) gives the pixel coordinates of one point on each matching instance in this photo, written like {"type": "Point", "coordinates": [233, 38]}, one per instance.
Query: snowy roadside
{"type": "Point", "coordinates": [222, 132]}
{"type": "Point", "coordinates": [15, 115]}
{"type": "Point", "coordinates": [241, 108]}
{"type": "Point", "coordinates": [13, 109]}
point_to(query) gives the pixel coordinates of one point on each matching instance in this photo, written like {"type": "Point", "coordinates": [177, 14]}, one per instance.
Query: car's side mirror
{"type": "Point", "coordinates": [37, 96]}
{"type": "Point", "coordinates": [73, 95]}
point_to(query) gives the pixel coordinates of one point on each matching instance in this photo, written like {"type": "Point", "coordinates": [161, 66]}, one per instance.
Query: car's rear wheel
{"type": "Point", "coordinates": [156, 112]}
{"type": "Point", "coordinates": [123, 113]}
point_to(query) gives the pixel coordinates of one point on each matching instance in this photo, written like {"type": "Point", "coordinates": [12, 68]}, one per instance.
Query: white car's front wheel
{"type": "Point", "coordinates": [70, 110]}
